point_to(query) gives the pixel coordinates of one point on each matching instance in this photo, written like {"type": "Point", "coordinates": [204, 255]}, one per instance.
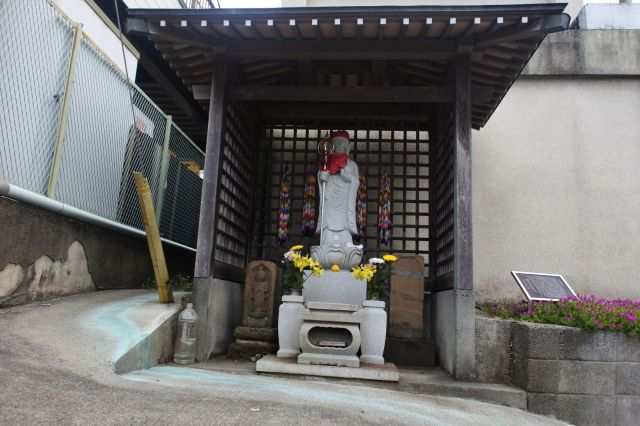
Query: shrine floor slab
{"type": "Point", "coordinates": [415, 380]}
{"type": "Point", "coordinates": [272, 364]}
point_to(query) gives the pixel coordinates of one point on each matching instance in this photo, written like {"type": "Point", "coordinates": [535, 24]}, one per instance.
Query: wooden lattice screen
{"type": "Point", "coordinates": [236, 174]}
{"type": "Point", "coordinates": [443, 219]}
{"type": "Point", "coordinates": [400, 149]}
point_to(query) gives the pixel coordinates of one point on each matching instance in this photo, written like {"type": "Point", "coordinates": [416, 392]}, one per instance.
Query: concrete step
{"type": "Point", "coordinates": [410, 352]}
{"type": "Point", "coordinates": [427, 381]}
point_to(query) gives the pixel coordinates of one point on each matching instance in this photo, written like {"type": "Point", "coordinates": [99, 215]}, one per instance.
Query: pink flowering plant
{"type": "Point", "coordinates": [589, 312]}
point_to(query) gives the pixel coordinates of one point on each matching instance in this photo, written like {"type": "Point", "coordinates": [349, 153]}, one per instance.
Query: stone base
{"type": "Point", "coordinates": [410, 352]}
{"type": "Point", "coordinates": [245, 349]}
{"type": "Point", "coordinates": [326, 359]}
{"type": "Point", "coordinates": [265, 334]}
{"type": "Point", "coordinates": [288, 353]}
{"type": "Point", "coordinates": [372, 359]}
{"type": "Point", "coordinates": [335, 287]}
{"type": "Point", "coordinates": [270, 364]}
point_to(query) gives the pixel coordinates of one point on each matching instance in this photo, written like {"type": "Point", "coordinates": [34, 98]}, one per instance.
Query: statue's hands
{"type": "Point", "coordinates": [346, 172]}
{"type": "Point", "coordinates": [323, 175]}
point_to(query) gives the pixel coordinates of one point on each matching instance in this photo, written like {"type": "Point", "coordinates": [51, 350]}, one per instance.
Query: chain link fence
{"type": "Point", "coordinates": [75, 128]}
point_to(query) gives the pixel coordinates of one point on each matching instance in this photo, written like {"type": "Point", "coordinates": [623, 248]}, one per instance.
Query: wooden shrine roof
{"type": "Point", "coordinates": [399, 46]}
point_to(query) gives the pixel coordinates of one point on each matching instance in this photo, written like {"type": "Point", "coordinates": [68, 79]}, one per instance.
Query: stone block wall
{"type": "Point", "coordinates": [581, 376]}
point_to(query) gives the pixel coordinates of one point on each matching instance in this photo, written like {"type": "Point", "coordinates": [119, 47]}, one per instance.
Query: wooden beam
{"type": "Point", "coordinates": [170, 89]}
{"type": "Point", "coordinates": [212, 170]}
{"type": "Point", "coordinates": [342, 94]}
{"type": "Point", "coordinates": [342, 111]}
{"type": "Point", "coordinates": [340, 49]}
{"type": "Point", "coordinates": [463, 238]}
{"type": "Point", "coordinates": [373, 94]}
{"type": "Point", "coordinates": [377, 72]}
{"type": "Point", "coordinates": [306, 73]}
{"type": "Point", "coordinates": [141, 27]}
{"type": "Point", "coordinates": [545, 25]}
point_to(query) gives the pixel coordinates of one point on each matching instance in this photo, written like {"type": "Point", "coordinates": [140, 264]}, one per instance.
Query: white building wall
{"type": "Point", "coordinates": [101, 32]}
{"type": "Point", "coordinates": [556, 187]}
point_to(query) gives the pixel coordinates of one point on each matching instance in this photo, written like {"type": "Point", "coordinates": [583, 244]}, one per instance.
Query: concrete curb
{"type": "Point", "coordinates": [143, 329]}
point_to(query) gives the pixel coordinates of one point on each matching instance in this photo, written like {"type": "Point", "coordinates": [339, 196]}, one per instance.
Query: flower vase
{"type": "Point", "coordinates": [373, 329]}
{"type": "Point", "coordinates": [289, 324]}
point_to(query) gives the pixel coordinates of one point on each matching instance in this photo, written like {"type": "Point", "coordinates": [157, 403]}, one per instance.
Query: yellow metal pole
{"type": "Point", "coordinates": [153, 238]}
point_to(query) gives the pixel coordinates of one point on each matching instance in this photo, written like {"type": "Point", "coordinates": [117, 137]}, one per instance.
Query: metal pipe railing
{"type": "Point", "coordinates": [19, 194]}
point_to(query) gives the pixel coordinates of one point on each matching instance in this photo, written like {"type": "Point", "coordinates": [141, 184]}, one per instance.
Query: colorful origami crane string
{"type": "Point", "coordinates": [384, 209]}
{"type": "Point", "coordinates": [361, 209]}
{"type": "Point", "coordinates": [285, 201]}
{"type": "Point", "coordinates": [309, 206]}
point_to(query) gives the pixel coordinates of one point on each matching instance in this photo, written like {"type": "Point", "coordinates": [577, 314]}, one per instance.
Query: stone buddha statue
{"type": "Point", "coordinates": [337, 216]}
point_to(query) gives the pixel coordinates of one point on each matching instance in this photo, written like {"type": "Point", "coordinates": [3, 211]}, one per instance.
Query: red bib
{"type": "Point", "coordinates": [337, 162]}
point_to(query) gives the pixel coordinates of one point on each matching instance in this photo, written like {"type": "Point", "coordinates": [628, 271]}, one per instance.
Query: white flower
{"type": "Point", "coordinates": [289, 255]}
{"type": "Point", "coordinates": [375, 260]}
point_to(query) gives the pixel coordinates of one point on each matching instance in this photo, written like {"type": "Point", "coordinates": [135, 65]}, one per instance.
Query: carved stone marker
{"type": "Point", "coordinates": [257, 334]}
{"type": "Point", "coordinates": [407, 297]}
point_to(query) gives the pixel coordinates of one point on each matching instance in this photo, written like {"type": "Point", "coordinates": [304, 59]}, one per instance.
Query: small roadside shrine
{"type": "Point", "coordinates": [407, 84]}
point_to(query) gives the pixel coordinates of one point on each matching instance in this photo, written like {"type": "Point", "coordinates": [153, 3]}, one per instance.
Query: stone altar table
{"type": "Point", "coordinates": [330, 335]}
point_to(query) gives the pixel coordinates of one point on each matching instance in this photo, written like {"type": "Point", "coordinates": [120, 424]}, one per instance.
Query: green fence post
{"type": "Point", "coordinates": [64, 113]}
{"type": "Point", "coordinates": [164, 168]}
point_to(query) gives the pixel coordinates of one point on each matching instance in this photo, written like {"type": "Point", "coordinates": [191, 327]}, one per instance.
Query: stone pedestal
{"type": "Point", "coordinates": [335, 287]}
{"type": "Point", "coordinates": [257, 334]}
{"type": "Point", "coordinates": [407, 296]}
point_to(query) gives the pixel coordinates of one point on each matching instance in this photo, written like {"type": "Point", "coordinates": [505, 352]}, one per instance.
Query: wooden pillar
{"type": "Point", "coordinates": [463, 239]}
{"type": "Point", "coordinates": [212, 170]}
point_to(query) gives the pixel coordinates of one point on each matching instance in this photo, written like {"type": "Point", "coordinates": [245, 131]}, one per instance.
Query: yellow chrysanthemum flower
{"type": "Point", "coordinates": [317, 271]}
{"type": "Point", "coordinates": [389, 258]}
{"type": "Point", "coordinates": [296, 248]}
{"type": "Point", "coordinates": [364, 272]}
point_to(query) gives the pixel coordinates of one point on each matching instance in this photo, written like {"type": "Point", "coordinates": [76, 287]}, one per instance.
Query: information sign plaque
{"type": "Point", "coordinates": [543, 286]}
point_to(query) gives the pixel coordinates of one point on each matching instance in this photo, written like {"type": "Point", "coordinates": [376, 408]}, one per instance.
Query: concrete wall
{"type": "Point", "coordinates": [218, 304]}
{"type": "Point", "coordinates": [44, 255]}
{"type": "Point", "coordinates": [609, 16]}
{"type": "Point", "coordinates": [453, 331]}
{"type": "Point", "coordinates": [555, 170]}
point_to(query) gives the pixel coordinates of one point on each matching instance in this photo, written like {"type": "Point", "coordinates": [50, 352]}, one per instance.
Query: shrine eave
{"type": "Point", "coordinates": [403, 46]}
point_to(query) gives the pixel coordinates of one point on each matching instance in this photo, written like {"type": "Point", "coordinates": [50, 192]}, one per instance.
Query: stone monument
{"type": "Point", "coordinates": [406, 316]}
{"type": "Point", "coordinates": [337, 219]}
{"type": "Point", "coordinates": [256, 334]}
{"type": "Point", "coordinates": [406, 343]}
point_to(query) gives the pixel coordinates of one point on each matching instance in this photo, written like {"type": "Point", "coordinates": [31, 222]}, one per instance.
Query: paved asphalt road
{"type": "Point", "coordinates": [55, 369]}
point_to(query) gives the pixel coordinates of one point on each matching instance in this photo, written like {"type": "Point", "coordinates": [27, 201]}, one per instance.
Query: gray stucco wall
{"type": "Point", "coordinates": [44, 255]}
{"type": "Point", "coordinates": [556, 176]}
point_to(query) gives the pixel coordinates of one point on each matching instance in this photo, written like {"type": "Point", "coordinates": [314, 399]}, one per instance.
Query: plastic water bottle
{"type": "Point", "coordinates": [185, 352]}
